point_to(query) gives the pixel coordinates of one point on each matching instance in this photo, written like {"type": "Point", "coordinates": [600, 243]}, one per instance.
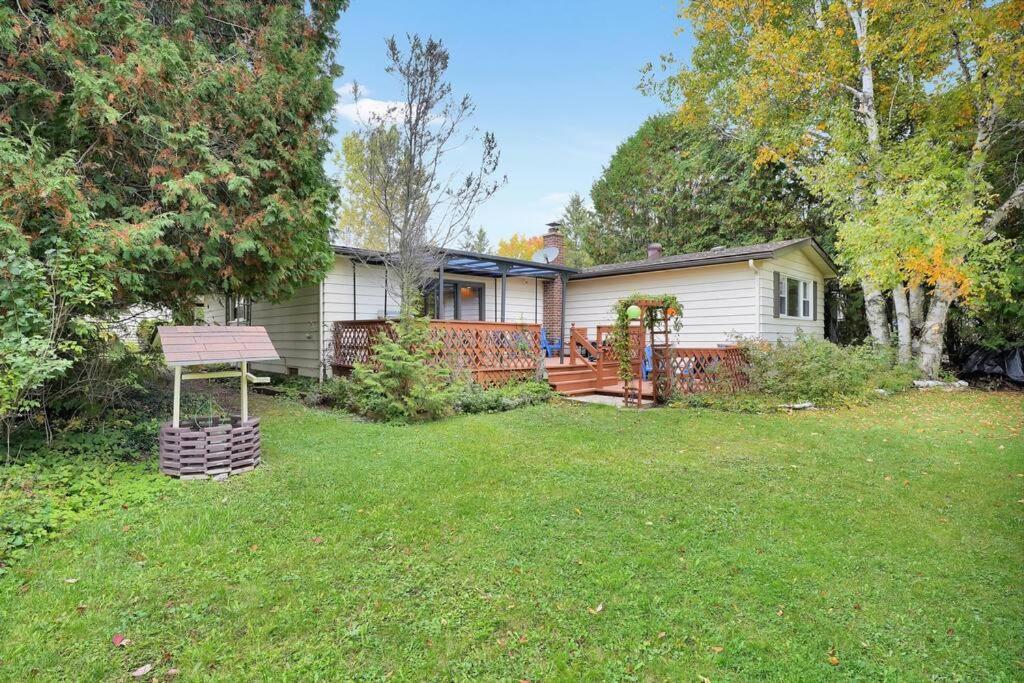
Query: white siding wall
{"type": "Point", "coordinates": [718, 301]}
{"type": "Point", "coordinates": [370, 296]}
{"type": "Point", "coordinates": [292, 326]}
{"type": "Point", "coordinates": [792, 263]}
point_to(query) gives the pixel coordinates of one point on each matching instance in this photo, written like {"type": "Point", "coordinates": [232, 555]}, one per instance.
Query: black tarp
{"type": "Point", "coordinates": [1008, 363]}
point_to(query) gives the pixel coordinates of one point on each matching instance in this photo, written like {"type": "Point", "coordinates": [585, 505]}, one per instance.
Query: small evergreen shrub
{"type": "Point", "coordinates": [472, 398]}
{"type": "Point", "coordinates": [401, 383]}
{"type": "Point", "coordinates": [822, 372]}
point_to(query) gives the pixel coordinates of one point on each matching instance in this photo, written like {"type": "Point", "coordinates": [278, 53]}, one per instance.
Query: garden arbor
{"type": "Point", "coordinates": [640, 320]}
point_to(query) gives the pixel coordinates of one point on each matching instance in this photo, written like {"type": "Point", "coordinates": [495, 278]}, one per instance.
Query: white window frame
{"type": "Point", "coordinates": [805, 302]}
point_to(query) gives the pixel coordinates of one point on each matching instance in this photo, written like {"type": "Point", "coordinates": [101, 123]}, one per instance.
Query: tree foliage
{"type": "Point", "coordinates": [520, 246]}
{"type": "Point", "coordinates": [476, 241]}
{"type": "Point", "coordinates": [196, 134]}
{"type": "Point", "coordinates": [155, 152]}
{"type": "Point", "coordinates": [360, 222]}
{"type": "Point", "coordinates": [879, 105]}
{"type": "Point", "coordinates": [580, 225]}
{"type": "Point", "coordinates": [692, 189]}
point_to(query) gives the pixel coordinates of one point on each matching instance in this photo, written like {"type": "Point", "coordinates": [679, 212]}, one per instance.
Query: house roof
{"type": "Point", "coordinates": [472, 263]}
{"type": "Point", "coordinates": [708, 258]}
{"type": "Point", "coordinates": [198, 345]}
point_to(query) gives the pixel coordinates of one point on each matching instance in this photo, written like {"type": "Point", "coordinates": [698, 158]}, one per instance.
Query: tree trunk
{"type": "Point", "coordinates": [904, 330]}
{"type": "Point", "coordinates": [874, 311]}
{"type": "Point", "coordinates": [917, 300]}
{"type": "Point", "coordinates": [934, 329]}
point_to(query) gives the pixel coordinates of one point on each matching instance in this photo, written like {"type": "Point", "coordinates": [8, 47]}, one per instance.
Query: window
{"type": "Point", "coordinates": [795, 298]}
{"type": "Point", "coordinates": [461, 300]}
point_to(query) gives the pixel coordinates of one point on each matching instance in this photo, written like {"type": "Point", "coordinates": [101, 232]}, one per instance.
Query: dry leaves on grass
{"type": "Point", "coordinates": [596, 610]}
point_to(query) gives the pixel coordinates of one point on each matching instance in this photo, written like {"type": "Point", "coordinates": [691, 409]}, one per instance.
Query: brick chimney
{"type": "Point", "coordinates": [654, 251]}
{"type": "Point", "coordinates": [553, 288]}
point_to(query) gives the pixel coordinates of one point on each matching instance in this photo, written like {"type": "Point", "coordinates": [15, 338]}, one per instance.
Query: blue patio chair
{"type": "Point", "coordinates": [549, 347]}
{"type": "Point", "coordinates": [648, 363]}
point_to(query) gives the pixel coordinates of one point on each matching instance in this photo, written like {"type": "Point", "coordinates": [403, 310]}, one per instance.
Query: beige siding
{"type": "Point", "coordinates": [718, 301]}
{"type": "Point", "coordinates": [792, 263]}
{"type": "Point", "coordinates": [292, 326]}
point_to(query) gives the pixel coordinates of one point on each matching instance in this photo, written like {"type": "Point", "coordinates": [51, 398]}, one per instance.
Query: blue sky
{"type": "Point", "coordinates": [554, 81]}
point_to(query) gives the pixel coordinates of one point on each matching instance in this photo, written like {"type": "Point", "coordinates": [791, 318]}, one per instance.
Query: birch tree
{"type": "Point", "coordinates": [836, 90]}
{"type": "Point", "coordinates": [412, 174]}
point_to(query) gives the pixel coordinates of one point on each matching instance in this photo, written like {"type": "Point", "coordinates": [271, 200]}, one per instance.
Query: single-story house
{"type": "Point", "coordinates": [770, 291]}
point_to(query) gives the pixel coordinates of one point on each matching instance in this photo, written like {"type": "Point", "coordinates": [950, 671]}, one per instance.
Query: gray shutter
{"type": "Point", "coordinates": [814, 300]}
{"type": "Point", "coordinates": [778, 293]}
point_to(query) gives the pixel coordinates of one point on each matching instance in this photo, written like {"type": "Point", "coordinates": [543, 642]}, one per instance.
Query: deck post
{"type": "Point", "coordinates": [176, 415]}
{"type": "Point", "coordinates": [440, 290]}
{"type": "Point", "coordinates": [561, 322]}
{"type": "Point", "coordinates": [245, 391]}
{"type": "Point", "coordinates": [504, 278]}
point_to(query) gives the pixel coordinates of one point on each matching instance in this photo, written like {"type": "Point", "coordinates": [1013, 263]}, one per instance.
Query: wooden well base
{"type": "Point", "coordinates": [223, 446]}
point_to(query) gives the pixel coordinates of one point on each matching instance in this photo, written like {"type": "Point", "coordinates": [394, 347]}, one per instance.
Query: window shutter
{"type": "Point", "coordinates": [814, 300]}
{"type": "Point", "coordinates": [778, 293]}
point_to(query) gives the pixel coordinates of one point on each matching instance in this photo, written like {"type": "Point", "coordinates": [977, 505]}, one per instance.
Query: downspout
{"type": "Point", "coordinates": [320, 336]}
{"type": "Point", "coordinates": [757, 298]}
{"type": "Point", "coordinates": [354, 289]}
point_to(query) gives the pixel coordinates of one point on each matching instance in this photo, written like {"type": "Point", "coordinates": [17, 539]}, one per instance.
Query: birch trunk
{"type": "Point", "coordinates": [874, 300]}
{"type": "Point", "coordinates": [904, 330]}
{"type": "Point", "coordinates": [874, 311]}
{"type": "Point", "coordinates": [934, 330]}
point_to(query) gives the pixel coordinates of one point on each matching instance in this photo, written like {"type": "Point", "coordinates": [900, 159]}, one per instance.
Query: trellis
{"type": "Point", "coordinates": [491, 353]}
{"type": "Point", "coordinates": [693, 370]}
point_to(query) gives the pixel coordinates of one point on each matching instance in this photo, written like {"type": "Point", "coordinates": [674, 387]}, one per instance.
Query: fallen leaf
{"type": "Point", "coordinates": [661, 635]}
{"type": "Point", "coordinates": [119, 640]}
{"type": "Point", "coordinates": [317, 540]}
{"type": "Point", "coordinates": [833, 660]}
{"type": "Point", "coordinates": [170, 673]}
{"type": "Point", "coordinates": [596, 610]}
{"type": "Point", "coordinates": [142, 670]}
{"type": "Point", "coordinates": [70, 580]}
{"type": "Point", "coordinates": [81, 609]}
{"type": "Point", "coordinates": [717, 649]}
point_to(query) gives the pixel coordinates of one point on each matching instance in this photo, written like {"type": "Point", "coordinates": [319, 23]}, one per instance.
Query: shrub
{"type": "Point", "coordinates": [821, 372]}
{"type": "Point", "coordinates": [400, 383]}
{"type": "Point", "coordinates": [472, 398]}
{"type": "Point", "coordinates": [48, 488]}
{"type": "Point", "coordinates": [146, 334]}
{"type": "Point", "coordinates": [331, 393]}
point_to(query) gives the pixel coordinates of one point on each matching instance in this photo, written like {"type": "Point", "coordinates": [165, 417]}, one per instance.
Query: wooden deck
{"type": "Point", "coordinates": [494, 353]}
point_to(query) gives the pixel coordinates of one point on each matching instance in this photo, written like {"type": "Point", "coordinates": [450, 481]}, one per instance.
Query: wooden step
{"type": "Point", "coordinates": [578, 392]}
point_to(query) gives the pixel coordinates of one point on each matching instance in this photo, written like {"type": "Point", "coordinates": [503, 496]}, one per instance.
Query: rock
{"type": "Point", "coordinates": [797, 406]}
{"type": "Point", "coordinates": [958, 385]}
{"type": "Point", "coordinates": [220, 477]}
{"type": "Point", "coordinates": [881, 392]}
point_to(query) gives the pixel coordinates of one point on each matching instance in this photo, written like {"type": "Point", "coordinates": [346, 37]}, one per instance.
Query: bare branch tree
{"type": "Point", "coordinates": [425, 202]}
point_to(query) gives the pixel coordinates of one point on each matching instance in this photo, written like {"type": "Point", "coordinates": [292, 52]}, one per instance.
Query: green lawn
{"type": "Point", "coordinates": [561, 542]}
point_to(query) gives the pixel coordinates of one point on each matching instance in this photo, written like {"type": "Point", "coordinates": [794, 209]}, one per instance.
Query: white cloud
{"type": "Point", "coordinates": [366, 110]}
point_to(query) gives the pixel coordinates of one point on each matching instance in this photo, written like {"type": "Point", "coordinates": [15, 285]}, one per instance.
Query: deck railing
{"type": "Point", "coordinates": [492, 353]}
{"type": "Point", "coordinates": [688, 371]}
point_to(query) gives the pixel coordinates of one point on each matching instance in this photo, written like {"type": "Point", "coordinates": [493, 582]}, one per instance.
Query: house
{"type": "Point", "coordinates": [771, 291]}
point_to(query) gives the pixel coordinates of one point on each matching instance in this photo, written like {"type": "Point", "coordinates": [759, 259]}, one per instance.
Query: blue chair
{"type": "Point", "coordinates": [549, 347]}
{"type": "Point", "coordinates": [648, 362]}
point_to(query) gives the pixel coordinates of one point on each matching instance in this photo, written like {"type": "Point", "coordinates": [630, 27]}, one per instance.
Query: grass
{"type": "Point", "coordinates": [561, 542]}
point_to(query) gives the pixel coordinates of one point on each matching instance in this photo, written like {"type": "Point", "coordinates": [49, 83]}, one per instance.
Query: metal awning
{"type": "Point", "coordinates": [473, 263]}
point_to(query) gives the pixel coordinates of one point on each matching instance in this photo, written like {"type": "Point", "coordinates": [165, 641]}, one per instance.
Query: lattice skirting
{"type": "Point", "coordinates": [227, 446]}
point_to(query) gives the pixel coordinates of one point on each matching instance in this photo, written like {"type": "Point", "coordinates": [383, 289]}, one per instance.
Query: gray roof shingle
{"type": "Point", "coordinates": [701, 258]}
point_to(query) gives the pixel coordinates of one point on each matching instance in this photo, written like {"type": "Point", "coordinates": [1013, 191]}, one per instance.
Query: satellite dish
{"type": "Point", "coordinates": [545, 255]}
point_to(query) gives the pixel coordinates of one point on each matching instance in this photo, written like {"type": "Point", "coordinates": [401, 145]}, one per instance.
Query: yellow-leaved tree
{"type": "Point", "coordinates": [890, 110]}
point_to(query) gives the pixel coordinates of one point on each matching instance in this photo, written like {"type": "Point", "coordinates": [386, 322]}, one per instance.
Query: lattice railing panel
{"type": "Point", "coordinates": [681, 370]}
{"type": "Point", "coordinates": [493, 353]}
